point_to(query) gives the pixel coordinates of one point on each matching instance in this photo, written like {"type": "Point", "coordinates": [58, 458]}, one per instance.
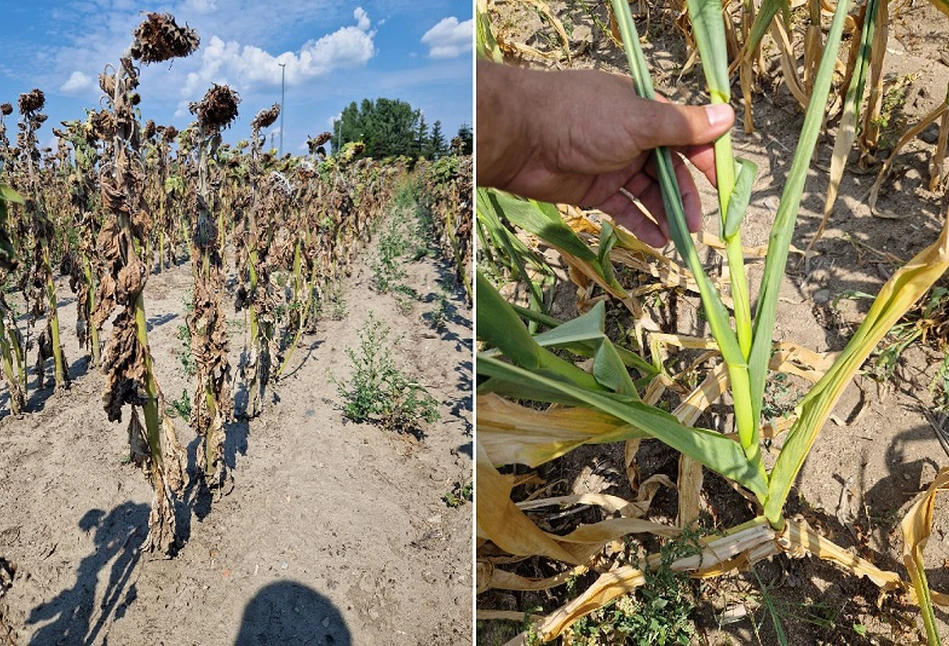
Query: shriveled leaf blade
{"type": "Point", "coordinates": [514, 434]}
{"type": "Point", "coordinates": [504, 524]}
{"type": "Point", "coordinates": [917, 526]}
{"type": "Point", "coordinates": [896, 297]}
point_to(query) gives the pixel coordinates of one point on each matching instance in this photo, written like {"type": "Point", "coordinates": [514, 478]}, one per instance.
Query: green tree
{"type": "Point", "coordinates": [436, 143]}
{"type": "Point", "coordinates": [465, 140]}
{"type": "Point", "coordinates": [388, 128]}
{"type": "Point", "coordinates": [421, 137]}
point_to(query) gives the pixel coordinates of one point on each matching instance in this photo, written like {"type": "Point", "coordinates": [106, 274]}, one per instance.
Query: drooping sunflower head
{"type": "Point", "coordinates": [217, 109]}
{"type": "Point", "coordinates": [32, 101]}
{"type": "Point", "coordinates": [159, 38]}
{"type": "Point", "coordinates": [266, 118]}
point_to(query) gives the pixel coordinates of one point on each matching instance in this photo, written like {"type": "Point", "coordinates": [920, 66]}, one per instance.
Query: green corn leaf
{"type": "Point", "coordinates": [672, 198]}
{"type": "Point", "coordinates": [769, 9]}
{"type": "Point", "coordinates": [607, 242]}
{"type": "Point", "coordinates": [715, 311]}
{"type": "Point", "coordinates": [586, 327]}
{"type": "Point", "coordinates": [499, 326]}
{"type": "Point", "coordinates": [516, 252]}
{"type": "Point", "coordinates": [712, 449]}
{"type": "Point", "coordinates": [708, 30]}
{"type": "Point", "coordinates": [487, 45]}
{"type": "Point", "coordinates": [783, 227]}
{"type": "Point", "coordinates": [741, 196]}
{"type": "Point", "coordinates": [585, 347]}
{"type": "Point", "coordinates": [610, 371]}
{"type": "Point", "coordinates": [548, 226]}
{"type": "Point", "coordinates": [898, 295]}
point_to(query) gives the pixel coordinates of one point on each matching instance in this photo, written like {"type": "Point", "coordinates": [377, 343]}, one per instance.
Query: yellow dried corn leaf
{"type": "Point", "coordinates": [503, 523]}
{"type": "Point", "coordinates": [609, 586]}
{"type": "Point", "coordinates": [490, 577]}
{"type": "Point", "coordinates": [514, 434]}
{"type": "Point", "coordinates": [801, 539]}
{"type": "Point", "coordinates": [917, 526]}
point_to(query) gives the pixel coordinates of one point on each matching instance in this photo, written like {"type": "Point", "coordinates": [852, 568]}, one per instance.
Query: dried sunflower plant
{"type": "Point", "coordinates": [131, 380]}
{"type": "Point", "coordinates": [213, 404]}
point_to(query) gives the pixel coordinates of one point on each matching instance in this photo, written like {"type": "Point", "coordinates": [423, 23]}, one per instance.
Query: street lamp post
{"type": "Point", "coordinates": [283, 76]}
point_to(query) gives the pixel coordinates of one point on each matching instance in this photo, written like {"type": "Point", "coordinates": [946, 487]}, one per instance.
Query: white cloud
{"type": "Point", "coordinates": [248, 67]}
{"type": "Point", "coordinates": [449, 38]}
{"type": "Point", "coordinates": [333, 119]}
{"type": "Point", "coordinates": [200, 6]}
{"type": "Point", "coordinates": [362, 19]}
{"type": "Point", "coordinates": [77, 82]}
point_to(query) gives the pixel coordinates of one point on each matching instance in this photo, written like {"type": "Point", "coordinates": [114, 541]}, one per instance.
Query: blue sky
{"type": "Point", "coordinates": [335, 53]}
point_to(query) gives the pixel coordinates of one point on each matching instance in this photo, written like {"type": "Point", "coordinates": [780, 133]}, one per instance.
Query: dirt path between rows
{"type": "Point", "coordinates": [334, 532]}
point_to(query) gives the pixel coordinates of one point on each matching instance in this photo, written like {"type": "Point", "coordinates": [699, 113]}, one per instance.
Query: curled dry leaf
{"type": "Point", "coordinates": [917, 526]}
{"type": "Point", "coordinates": [125, 368]}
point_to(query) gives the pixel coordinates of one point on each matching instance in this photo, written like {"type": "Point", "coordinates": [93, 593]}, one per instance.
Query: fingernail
{"type": "Point", "coordinates": [719, 114]}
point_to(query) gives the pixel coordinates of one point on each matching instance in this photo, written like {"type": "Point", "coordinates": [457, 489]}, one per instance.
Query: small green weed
{"type": "Point", "coordinates": [440, 316]}
{"type": "Point", "coordinates": [181, 406]}
{"type": "Point", "coordinates": [185, 355]}
{"type": "Point", "coordinates": [387, 268]}
{"type": "Point", "coordinates": [405, 193]}
{"type": "Point", "coordinates": [458, 495]}
{"type": "Point", "coordinates": [659, 614]}
{"type": "Point", "coordinates": [405, 298]}
{"type": "Point", "coordinates": [379, 391]}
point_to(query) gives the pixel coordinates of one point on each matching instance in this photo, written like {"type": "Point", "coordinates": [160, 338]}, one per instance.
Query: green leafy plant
{"type": "Point", "coordinates": [185, 354]}
{"type": "Point", "coordinates": [459, 494]}
{"type": "Point", "coordinates": [181, 406]}
{"type": "Point", "coordinates": [387, 267]}
{"type": "Point", "coordinates": [379, 391]}
{"type": "Point", "coordinates": [439, 317]}
{"type": "Point", "coordinates": [660, 612]}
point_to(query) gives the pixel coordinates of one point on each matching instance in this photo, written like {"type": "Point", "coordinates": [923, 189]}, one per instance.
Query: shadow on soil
{"type": "Point", "coordinates": [287, 612]}
{"type": "Point", "coordinates": [76, 616]}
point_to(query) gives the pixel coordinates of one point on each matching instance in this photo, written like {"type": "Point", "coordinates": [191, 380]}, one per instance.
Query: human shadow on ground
{"type": "Point", "coordinates": [287, 612]}
{"type": "Point", "coordinates": [77, 617]}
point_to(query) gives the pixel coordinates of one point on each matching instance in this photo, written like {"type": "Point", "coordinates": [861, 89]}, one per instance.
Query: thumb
{"type": "Point", "coordinates": [667, 124]}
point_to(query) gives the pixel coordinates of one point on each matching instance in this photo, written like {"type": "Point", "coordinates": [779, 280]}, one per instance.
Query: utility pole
{"type": "Point", "coordinates": [283, 76]}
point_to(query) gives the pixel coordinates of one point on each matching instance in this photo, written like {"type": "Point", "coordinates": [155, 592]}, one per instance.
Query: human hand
{"type": "Point", "coordinates": [580, 137]}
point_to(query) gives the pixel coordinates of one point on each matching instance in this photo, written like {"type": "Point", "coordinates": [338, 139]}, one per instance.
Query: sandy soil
{"type": "Point", "coordinates": [334, 532]}
{"type": "Point", "coordinates": [865, 470]}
